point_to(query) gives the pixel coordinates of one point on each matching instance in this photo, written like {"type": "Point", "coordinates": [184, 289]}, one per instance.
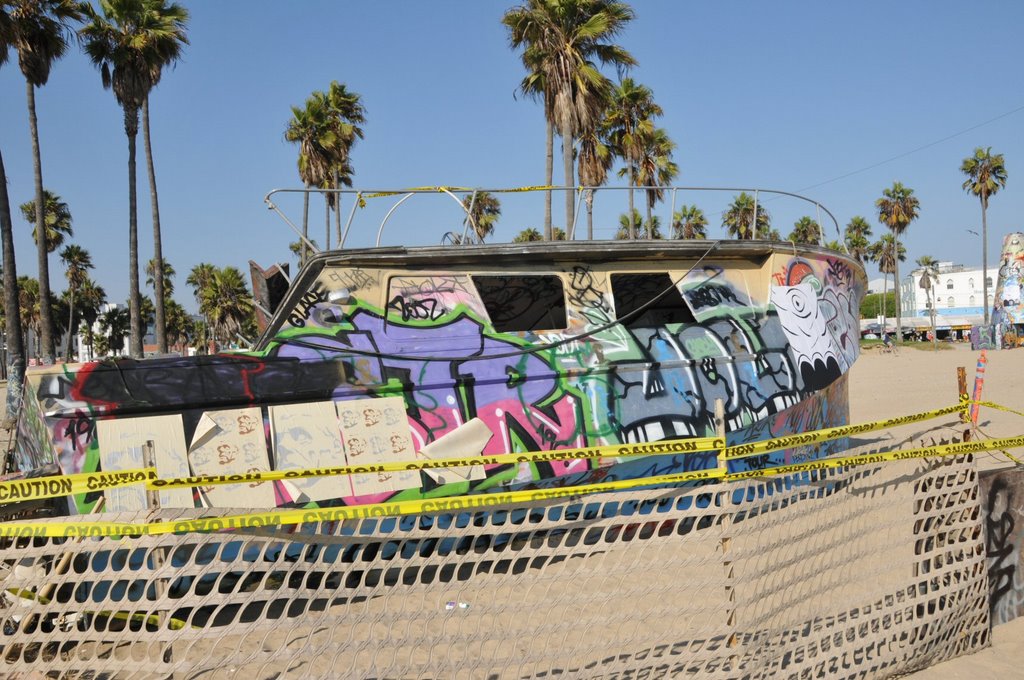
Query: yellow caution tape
{"type": "Point", "coordinates": [473, 502]}
{"type": "Point", "coordinates": [828, 434]}
{"type": "Point", "coordinates": [661, 448]}
{"type": "Point", "coordinates": [34, 488]}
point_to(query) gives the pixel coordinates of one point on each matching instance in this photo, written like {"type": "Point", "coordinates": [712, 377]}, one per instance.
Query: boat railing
{"type": "Point", "coordinates": [466, 199]}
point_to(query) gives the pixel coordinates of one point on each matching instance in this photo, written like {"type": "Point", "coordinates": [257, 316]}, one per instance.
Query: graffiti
{"type": "Point", "coordinates": [808, 334]}
{"type": "Point", "coordinates": [311, 298]}
{"type": "Point", "coordinates": [451, 347]}
{"type": "Point", "coordinates": [1003, 549]}
{"type": "Point", "coordinates": [1007, 309]}
{"type": "Point", "coordinates": [419, 310]}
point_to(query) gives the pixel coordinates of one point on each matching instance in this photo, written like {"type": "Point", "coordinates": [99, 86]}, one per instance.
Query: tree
{"type": "Point", "coordinates": [887, 251]}
{"type": "Point", "coordinates": [227, 302]}
{"type": "Point", "coordinates": [180, 328]}
{"type": "Point", "coordinates": [175, 17]}
{"type": "Point", "coordinates": [527, 235]}
{"type": "Point", "coordinates": [739, 221]}
{"type": "Point", "coordinates": [651, 229]}
{"type": "Point", "coordinates": [561, 41]}
{"type": "Point", "coordinates": [39, 31]}
{"type": "Point", "coordinates": [131, 40]}
{"type": "Point", "coordinates": [91, 298]}
{"type": "Point", "coordinates": [482, 210]}
{"type": "Point", "coordinates": [56, 220]}
{"type": "Point", "coordinates": [114, 324]}
{"type": "Point", "coordinates": [77, 263]}
{"type": "Point", "coordinates": [856, 238]}
{"type": "Point", "coordinates": [628, 122]}
{"type": "Point", "coordinates": [805, 230]}
{"type": "Point", "coordinates": [199, 279]}
{"type": "Point", "coordinates": [986, 175]}
{"type": "Point", "coordinates": [168, 280]}
{"type": "Point", "coordinates": [309, 129]}
{"type": "Point", "coordinates": [897, 208]}
{"type": "Point", "coordinates": [654, 167]}
{"type": "Point", "coordinates": [929, 277]}
{"type": "Point", "coordinates": [595, 160]}
{"type": "Point", "coordinates": [345, 114]}
{"type": "Point", "coordinates": [15, 348]}
{"type": "Point", "coordinates": [28, 309]}
{"type": "Point", "coordinates": [689, 222]}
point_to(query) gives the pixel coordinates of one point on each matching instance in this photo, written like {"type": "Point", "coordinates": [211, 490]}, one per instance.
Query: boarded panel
{"type": "Point", "coordinates": [232, 442]}
{"type": "Point", "coordinates": [121, 442]}
{"type": "Point", "coordinates": [463, 442]}
{"type": "Point", "coordinates": [306, 436]}
{"type": "Point", "coordinates": [377, 431]}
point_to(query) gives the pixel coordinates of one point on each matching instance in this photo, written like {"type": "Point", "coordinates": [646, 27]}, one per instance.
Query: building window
{"type": "Point", "coordinates": [523, 302]}
{"type": "Point", "coordinates": [658, 297]}
{"type": "Point", "coordinates": [988, 281]}
{"type": "Point", "coordinates": [970, 283]}
{"type": "Point", "coordinates": [971, 301]}
{"type": "Point", "coordinates": [949, 302]}
{"type": "Point", "coordinates": [949, 284]}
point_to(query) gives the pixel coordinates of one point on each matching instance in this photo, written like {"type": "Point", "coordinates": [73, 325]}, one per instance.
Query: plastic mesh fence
{"type": "Point", "coordinates": [864, 572]}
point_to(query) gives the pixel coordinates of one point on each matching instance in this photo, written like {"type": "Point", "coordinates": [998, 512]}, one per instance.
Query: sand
{"type": "Point", "coordinates": [888, 385]}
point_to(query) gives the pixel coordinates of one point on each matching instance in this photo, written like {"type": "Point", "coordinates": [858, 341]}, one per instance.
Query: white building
{"type": "Point", "coordinates": [958, 292]}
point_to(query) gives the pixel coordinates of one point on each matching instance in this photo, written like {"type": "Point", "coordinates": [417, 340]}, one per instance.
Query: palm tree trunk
{"type": "Point", "coordinates": [304, 250]}
{"type": "Point", "coordinates": [632, 181]}
{"type": "Point", "coordinates": [570, 195]}
{"type": "Point", "coordinates": [984, 254]}
{"type": "Point", "coordinates": [159, 304]}
{"type": "Point", "coordinates": [337, 211]}
{"type": "Point", "coordinates": [885, 294]}
{"type": "Point", "coordinates": [650, 225]}
{"type": "Point", "coordinates": [590, 214]}
{"type": "Point", "coordinates": [15, 346]}
{"type": "Point", "coordinates": [45, 313]}
{"type": "Point", "coordinates": [131, 127]}
{"type": "Point", "coordinates": [327, 221]}
{"type": "Point", "coordinates": [71, 320]}
{"type": "Point", "coordinates": [548, 179]}
{"type": "Point", "coordinates": [896, 287]}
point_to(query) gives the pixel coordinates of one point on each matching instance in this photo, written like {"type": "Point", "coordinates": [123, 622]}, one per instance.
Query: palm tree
{"type": "Point", "coordinates": [310, 129]}
{"type": "Point", "coordinates": [561, 40]}
{"type": "Point", "coordinates": [856, 238]}
{"type": "Point", "coordinates": [28, 308]}
{"type": "Point", "coordinates": [91, 298]}
{"type": "Point", "coordinates": [739, 220]}
{"type": "Point", "coordinates": [168, 280]}
{"type": "Point", "coordinates": [175, 17]}
{"type": "Point", "coordinates": [897, 208]}
{"type": "Point", "coordinates": [986, 175]}
{"type": "Point", "coordinates": [651, 229]}
{"type": "Point", "coordinates": [689, 222]}
{"type": "Point", "coordinates": [56, 220]}
{"type": "Point", "coordinates": [199, 279]}
{"type": "Point", "coordinates": [527, 235]}
{"type": "Point", "coordinates": [77, 263]}
{"type": "Point", "coordinates": [39, 31]}
{"type": "Point", "coordinates": [595, 160]}
{"type": "Point", "coordinates": [127, 43]}
{"type": "Point", "coordinates": [179, 325]}
{"type": "Point", "coordinates": [15, 346]}
{"type": "Point", "coordinates": [114, 323]}
{"type": "Point", "coordinates": [805, 230]}
{"type": "Point", "coordinates": [482, 210]}
{"type": "Point", "coordinates": [887, 251]}
{"type": "Point", "coordinates": [629, 119]}
{"type": "Point", "coordinates": [345, 114]}
{"type": "Point", "coordinates": [228, 303]}
{"type": "Point", "coordinates": [929, 277]}
{"type": "Point", "coordinates": [654, 167]}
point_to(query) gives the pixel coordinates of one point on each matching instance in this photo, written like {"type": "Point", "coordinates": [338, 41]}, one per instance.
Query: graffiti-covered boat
{"type": "Point", "coordinates": [390, 354]}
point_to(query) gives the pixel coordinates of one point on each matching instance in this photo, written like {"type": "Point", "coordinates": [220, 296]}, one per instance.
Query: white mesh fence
{"type": "Point", "coordinates": [862, 572]}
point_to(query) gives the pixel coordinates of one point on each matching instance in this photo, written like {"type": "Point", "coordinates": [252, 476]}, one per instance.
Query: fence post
{"type": "Point", "coordinates": [158, 556]}
{"type": "Point", "coordinates": [961, 385]}
{"type": "Point", "coordinates": [725, 495]}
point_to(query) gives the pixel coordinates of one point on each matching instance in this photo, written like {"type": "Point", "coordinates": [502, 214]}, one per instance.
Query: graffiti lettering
{"type": "Point", "coordinates": [313, 296]}
{"type": "Point", "coordinates": [424, 309]}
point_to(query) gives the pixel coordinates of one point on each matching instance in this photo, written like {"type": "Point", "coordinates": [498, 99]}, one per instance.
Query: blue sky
{"type": "Point", "coordinates": [785, 95]}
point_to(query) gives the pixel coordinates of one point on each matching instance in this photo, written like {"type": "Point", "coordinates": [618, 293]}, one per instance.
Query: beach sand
{"type": "Point", "coordinates": [887, 385]}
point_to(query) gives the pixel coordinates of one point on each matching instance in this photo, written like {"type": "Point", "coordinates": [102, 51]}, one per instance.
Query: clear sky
{"type": "Point", "coordinates": [787, 95]}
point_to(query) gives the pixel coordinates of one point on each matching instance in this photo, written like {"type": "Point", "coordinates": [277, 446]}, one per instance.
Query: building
{"type": "Point", "coordinates": [958, 296]}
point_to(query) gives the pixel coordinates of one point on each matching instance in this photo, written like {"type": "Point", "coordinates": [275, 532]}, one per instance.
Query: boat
{"type": "Point", "coordinates": [386, 354]}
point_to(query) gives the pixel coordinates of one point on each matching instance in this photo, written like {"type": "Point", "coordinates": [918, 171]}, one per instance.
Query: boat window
{"type": "Point", "coordinates": [523, 302]}
{"type": "Point", "coordinates": [656, 293]}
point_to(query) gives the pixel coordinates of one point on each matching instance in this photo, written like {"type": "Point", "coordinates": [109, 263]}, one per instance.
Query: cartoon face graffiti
{"type": "Point", "coordinates": [808, 334]}
{"type": "Point", "coordinates": [371, 417]}
{"type": "Point", "coordinates": [246, 424]}
{"type": "Point", "coordinates": [226, 453]}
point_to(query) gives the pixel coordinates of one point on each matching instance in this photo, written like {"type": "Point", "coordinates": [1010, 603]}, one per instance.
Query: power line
{"type": "Point", "coordinates": [913, 151]}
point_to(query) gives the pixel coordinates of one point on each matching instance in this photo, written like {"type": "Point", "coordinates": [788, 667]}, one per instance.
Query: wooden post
{"type": "Point", "coordinates": [961, 384]}
{"type": "Point", "coordinates": [158, 556]}
{"type": "Point", "coordinates": [725, 495]}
